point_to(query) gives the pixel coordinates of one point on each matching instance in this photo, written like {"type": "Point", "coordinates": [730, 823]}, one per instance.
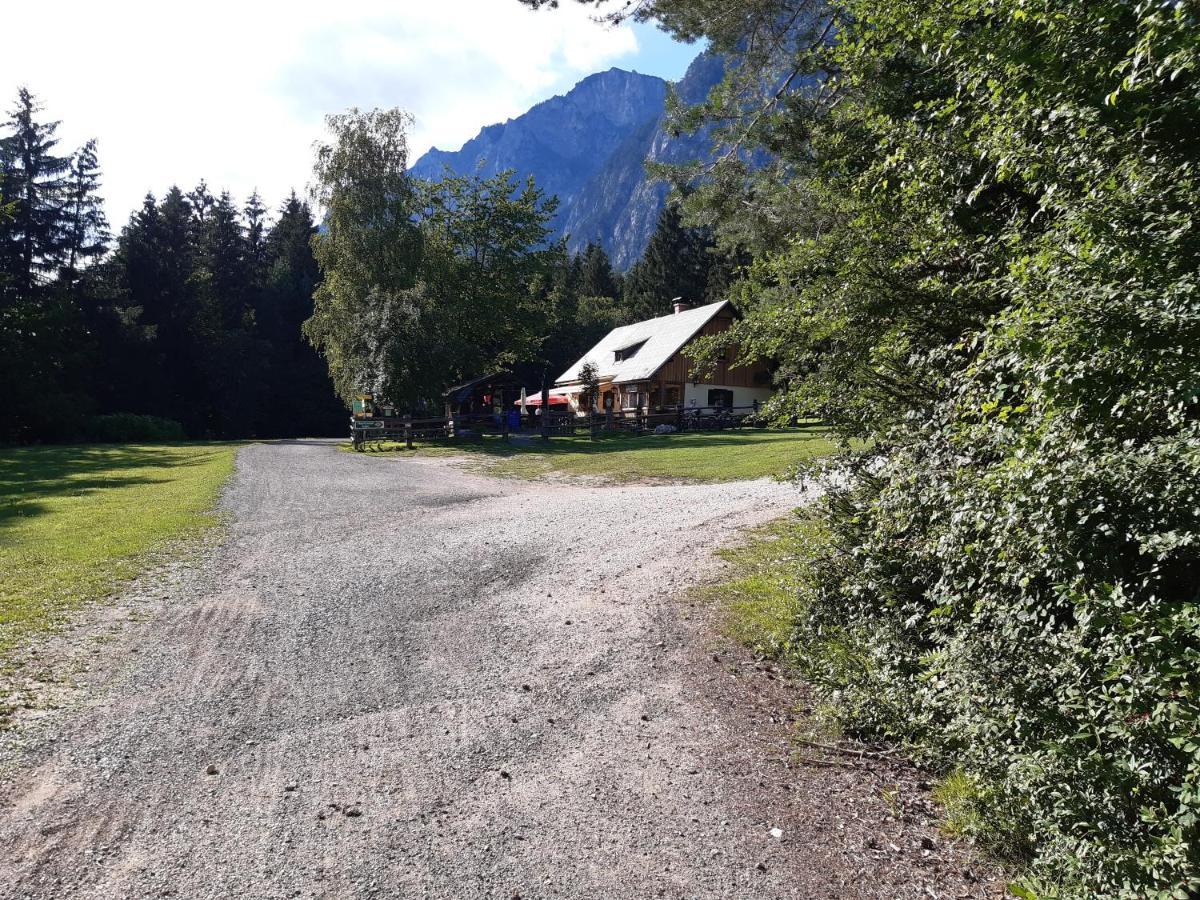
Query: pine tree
{"type": "Point", "coordinates": [171, 252]}
{"type": "Point", "coordinates": [44, 344]}
{"type": "Point", "coordinates": [202, 202]}
{"type": "Point", "coordinates": [255, 214]}
{"type": "Point", "coordinates": [301, 396]}
{"type": "Point", "coordinates": [34, 181]}
{"type": "Point", "coordinates": [677, 263]}
{"type": "Point", "coordinates": [87, 228]}
{"type": "Point", "coordinates": [223, 261]}
{"type": "Point", "coordinates": [293, 272]}
{"type": "Point", "coordinates": [229, 355]}
{"type": "Point", "coordinates": [596, 272]}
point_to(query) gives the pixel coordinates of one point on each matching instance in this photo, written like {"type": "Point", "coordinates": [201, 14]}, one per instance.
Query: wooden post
{"type": "Point", "coordinates": [545, 413]}
{"type": "Point", "coordinates": [408, 432]}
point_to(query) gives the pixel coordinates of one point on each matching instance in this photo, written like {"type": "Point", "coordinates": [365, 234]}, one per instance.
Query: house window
{"type": "Point", "coordinates": [628, 352]}
{"type": "Point", "coordinates": [720, 397]}
{"type": "Point", "coordinates": [672, 396]}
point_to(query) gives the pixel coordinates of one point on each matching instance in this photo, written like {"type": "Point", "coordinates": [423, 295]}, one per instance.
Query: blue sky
{"type": "Point", "coordinates": [658, 54]}
{"type": "Point", "coordinates": [234, 91]}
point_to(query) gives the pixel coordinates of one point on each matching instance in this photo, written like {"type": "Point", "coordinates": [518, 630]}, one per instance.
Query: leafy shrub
{"type": "Point", "coordinates": [996, 285]}
{"type": "Point", "coordinates": [126, 427]}
{"type": "Point", "coordinates": [1012, 589]}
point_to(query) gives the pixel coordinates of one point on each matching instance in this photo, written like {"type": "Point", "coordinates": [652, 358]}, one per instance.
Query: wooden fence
{"type": "Point", "coordinates": [557, 424]}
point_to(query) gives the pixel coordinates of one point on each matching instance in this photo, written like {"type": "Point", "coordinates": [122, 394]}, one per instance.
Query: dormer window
{"type": "Point", "coordinates": [628, 352]}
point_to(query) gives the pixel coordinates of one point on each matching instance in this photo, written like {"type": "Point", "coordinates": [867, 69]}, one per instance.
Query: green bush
{"type": "Point", "coordinates": [121, 428]}
{"type": "Point", "coordinates": [996, 284]}
{"type": "Point", "coordinates": [1012, 588]}
{"type": "Point", "coordinates": [975, 248]}
{"type": "Point", "coordinates": [1038, 629]}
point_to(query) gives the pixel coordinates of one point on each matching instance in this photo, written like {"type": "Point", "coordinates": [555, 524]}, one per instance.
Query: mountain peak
{"type": "Point", "coordinates": [587, 147]}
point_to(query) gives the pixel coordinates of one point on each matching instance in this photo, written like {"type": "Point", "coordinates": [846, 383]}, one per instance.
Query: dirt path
{"type": "Point", "coordinates": [396, 678]}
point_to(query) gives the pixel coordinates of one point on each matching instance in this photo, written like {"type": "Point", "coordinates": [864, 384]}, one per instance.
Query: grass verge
{"type": "Point", "coordinates": [690, 456]}
{"type": "Point", "coordinates": [75, 521]}
{"type": "Point", "coordinates": [760, 600]}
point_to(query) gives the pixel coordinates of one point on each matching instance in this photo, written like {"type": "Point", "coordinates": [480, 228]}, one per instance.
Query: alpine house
{"type": "Point", "coordinates": [646, 366]}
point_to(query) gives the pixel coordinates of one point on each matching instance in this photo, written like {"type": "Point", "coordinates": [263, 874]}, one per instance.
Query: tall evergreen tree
{"type": "Point", "coordinates": [87, 233]}
{"type": "Point", "coordinates": [293, 273]}
{"type": "Point", "coordinates": [255, 215]}
{"type": "Point", "coordinates": [202, 201]}
{"type": "Point", "coordinates": [677, 262]}
{"type": "Point", "coordinates": [301, 399]}
{"type": "Point", "coordinates": [223, 262]}
{"type": "Point", "coordinates": [597, 278]}
{"type": "Point", "coordinates": [43, 339]}
{"type": "Point", "coordinates": [34, 182]}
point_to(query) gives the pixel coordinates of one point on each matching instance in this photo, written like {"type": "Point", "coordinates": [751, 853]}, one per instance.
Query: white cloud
{"type": "Point", "coordinates": [234, 90]}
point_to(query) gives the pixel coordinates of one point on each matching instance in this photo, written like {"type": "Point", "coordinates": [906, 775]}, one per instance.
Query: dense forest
{"type": "Point", "coordinates": [191, 321]}
{"type": "Point", "coordinates": [188, 323]}
{"type": "Point", "coordinates": [973, 248]}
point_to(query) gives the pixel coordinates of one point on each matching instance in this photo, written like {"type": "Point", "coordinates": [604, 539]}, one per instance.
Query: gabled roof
{"type": "Point", "coordinates": [660, 339]}
{"type": "Point", "coordinates": [460, 392]}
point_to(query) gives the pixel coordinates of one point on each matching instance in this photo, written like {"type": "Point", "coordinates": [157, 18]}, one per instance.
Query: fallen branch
{"type": "Point", "coordinates": [854, 751]}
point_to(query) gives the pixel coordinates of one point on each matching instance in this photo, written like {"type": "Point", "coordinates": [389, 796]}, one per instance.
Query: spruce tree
{"type": "Point", "coordinates": [255, 214]}
{"type": "Point", "coordinates": [224, 247]}
{"type": "Point", "coordinates": [302, 399]}
{"type": "Point", "coordinates": [228, 352]}
{"type": "Point", "coordinates": [33, 183]}
{"type": "Point", "coordinates": [597, 276]}
{"type": "Point", "coordinates": [677, 263]}
{"type": "Point", "coordinates": [87, 227]}
{"type": "Point", "coordinates": [43, 340]}
{"type": "Point", "coordinates": [293, 272]}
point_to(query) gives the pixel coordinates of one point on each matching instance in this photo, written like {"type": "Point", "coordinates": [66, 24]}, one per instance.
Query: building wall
{"type": "Point", "coordinates": [679, 367]}
{"type": "Point", "coordinates": [742, 396]}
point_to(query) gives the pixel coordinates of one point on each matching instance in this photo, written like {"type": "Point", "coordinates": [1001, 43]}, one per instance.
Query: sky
{"type": "Point", "coordinates": [235, 91]}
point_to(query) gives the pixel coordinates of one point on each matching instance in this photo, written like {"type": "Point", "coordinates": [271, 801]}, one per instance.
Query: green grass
{"type": "Point", "coordinates": [690, 456]}
{"type": "Point", "coordinates": [958, 796]}
{"type": "Point", "coordinates": [759, 599]}
{"type": "Point", "coordinates": [75, 521]}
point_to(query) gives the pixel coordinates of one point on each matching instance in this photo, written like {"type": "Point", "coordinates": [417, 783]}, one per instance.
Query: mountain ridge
{"type": "Point", "coordinates": [588, 147]}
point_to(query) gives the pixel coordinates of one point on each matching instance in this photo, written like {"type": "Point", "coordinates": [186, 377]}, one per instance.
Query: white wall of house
{"type": "Point", "coordinates": [742, 396]}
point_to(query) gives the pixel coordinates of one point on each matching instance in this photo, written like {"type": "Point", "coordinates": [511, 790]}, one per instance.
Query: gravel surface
{"type": "Point", "coordinates": [399, 678]}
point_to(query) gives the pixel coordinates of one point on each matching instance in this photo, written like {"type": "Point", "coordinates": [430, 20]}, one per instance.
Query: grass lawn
{"type": "Point", "coordinates": [694, 456]}
{"type": "Point", "coordinates": [76, 520]}
{"type": "Point", "coordinates": [759, 597]}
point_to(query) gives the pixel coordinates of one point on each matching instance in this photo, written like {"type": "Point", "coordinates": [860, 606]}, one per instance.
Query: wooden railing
{"type": "Point", "coordinates": [407, 429]}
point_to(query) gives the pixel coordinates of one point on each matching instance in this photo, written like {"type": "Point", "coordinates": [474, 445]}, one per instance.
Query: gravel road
{"type": "Point", "coordinates": [399, 678]}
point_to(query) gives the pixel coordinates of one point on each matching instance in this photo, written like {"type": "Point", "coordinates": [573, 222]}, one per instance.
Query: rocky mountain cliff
{"type": "Point", "coordinates": [588, 147]}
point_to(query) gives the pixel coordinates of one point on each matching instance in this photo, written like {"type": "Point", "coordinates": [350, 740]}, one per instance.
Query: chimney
{"type": "Point", "coordinates": [680, 305]}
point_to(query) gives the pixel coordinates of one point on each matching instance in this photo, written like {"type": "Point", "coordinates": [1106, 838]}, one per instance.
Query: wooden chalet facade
{"type": "Point", "coordinates": [646, 366]}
